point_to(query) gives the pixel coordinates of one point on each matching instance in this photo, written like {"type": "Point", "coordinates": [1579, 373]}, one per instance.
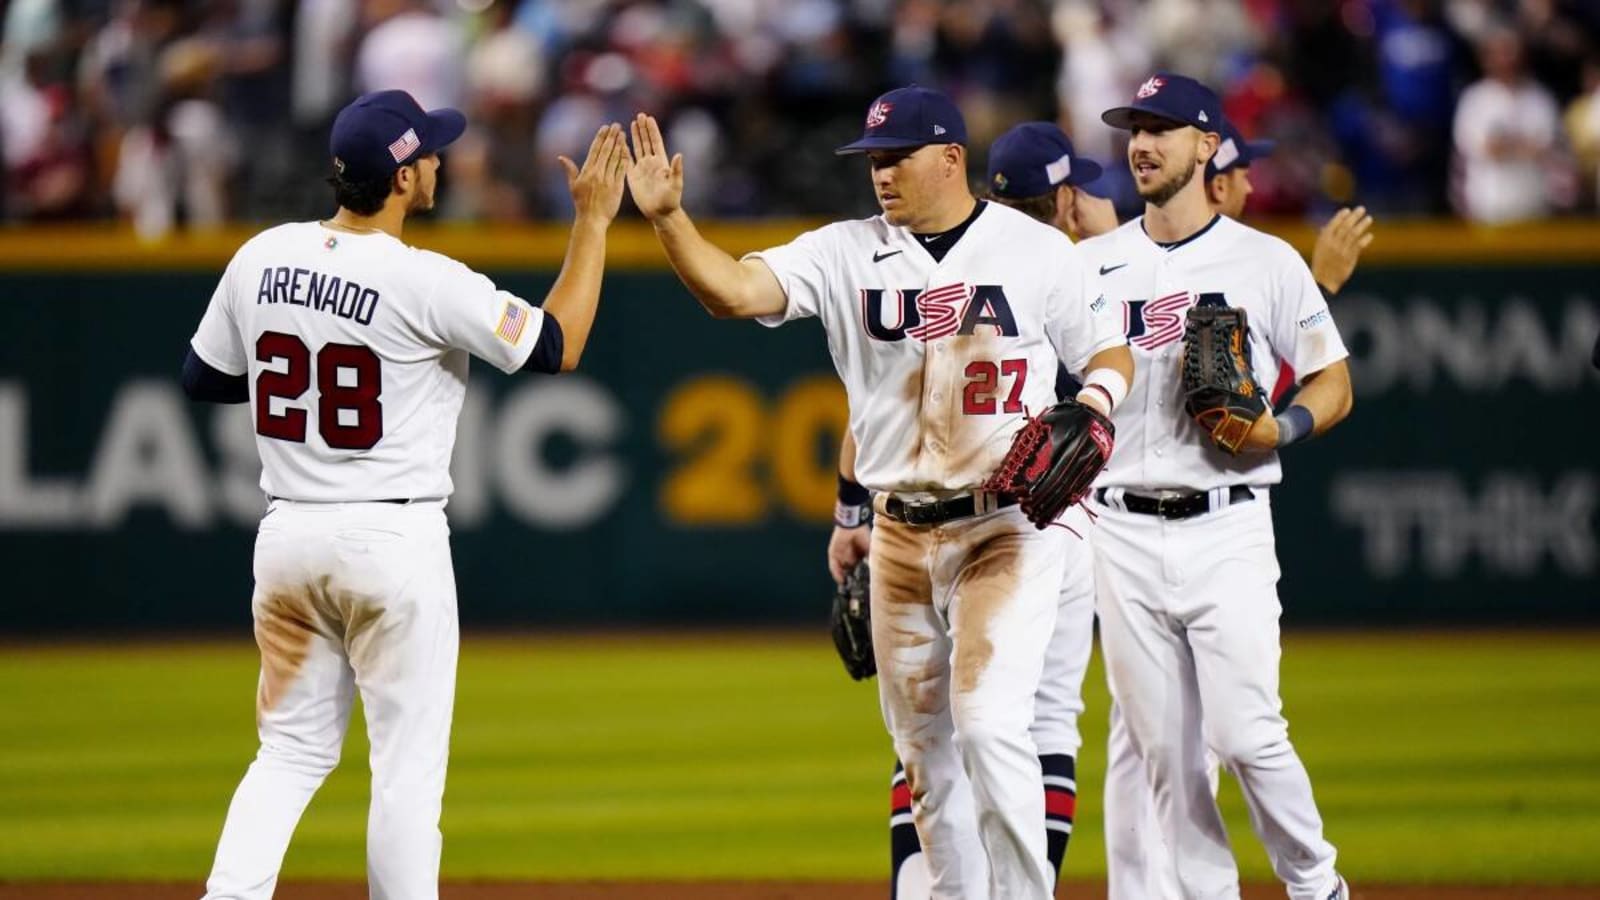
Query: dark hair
{"type": "Point", "coordinates": [363, 196]}
{"type": "Point", "coordinates": [1042, 207]}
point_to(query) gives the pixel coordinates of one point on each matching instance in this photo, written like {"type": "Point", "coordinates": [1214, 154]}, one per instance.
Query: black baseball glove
{"type": "Point", "coordinates": [851, 621]}
{"type": "Point", "coordinates": [1219, 388]}
{"type": "Point", "coordinates": [1053, 460]}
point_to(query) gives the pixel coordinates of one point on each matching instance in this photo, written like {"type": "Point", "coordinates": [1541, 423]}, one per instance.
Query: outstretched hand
{"type": "Point", "coordinates": [655, 181]}
{"type": "Point", "coordinates": [597, 187]}
{"type": "Point", "coordinates": [1339, 246]}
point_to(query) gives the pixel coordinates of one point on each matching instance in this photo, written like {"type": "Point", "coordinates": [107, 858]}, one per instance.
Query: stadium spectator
{"type": "Point", "coordinates": [1583, 130]}
{"type": "Point", "coordinates": [177, 166]}
{"type": "Point", "coordinates": [1507, 137]}
{"type": "Point", "coordinates": [1360, 94]}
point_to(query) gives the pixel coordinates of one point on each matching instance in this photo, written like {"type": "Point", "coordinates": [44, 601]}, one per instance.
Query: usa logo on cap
{"type": "Point", "coordinates": [878, 114]}
{"type": "Point", "coordinates": [1150, 87]}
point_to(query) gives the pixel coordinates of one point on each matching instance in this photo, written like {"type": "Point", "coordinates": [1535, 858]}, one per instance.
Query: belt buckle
{"type": "Point", "coordinates": [1163, 511]}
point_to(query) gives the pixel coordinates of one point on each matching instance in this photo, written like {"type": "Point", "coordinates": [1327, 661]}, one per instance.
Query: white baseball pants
{"type": "Point", "coordinates": [348, 596]}
{"type": "Point", "coordinates": [961, 615]}
{"type": "Point", "coordinates": [1189, 624]}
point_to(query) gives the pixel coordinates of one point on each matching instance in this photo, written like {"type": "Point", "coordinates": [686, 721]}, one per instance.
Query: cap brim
{"type": "Point", "coordinates": [880, 143]}
{"type": "Point", "coordinates": [444, 125]}
{"type": "Point", "coordinates": [1122, 118]}
{"type": "Point", "coordinates": [1083, 172]}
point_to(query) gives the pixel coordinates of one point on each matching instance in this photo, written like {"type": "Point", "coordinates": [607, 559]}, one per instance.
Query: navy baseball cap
{"type": "Point", "coordinates": [1235, 152]}
{"type": "Point", "coordinates": [1176, 98]}
{"type": "Point", "coordinates": [1033, 159]}
{"type": "Point", "coordinates": [382, 131]}
{"type": "Point", "coordinates": [910, 117]}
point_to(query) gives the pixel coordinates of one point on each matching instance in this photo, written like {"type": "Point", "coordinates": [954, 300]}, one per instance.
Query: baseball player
{"type": "Point", "coordinates": [1031, 168]}
{"type": "Point", "coordinates": [1138, 863]}
{"type": "Point", "coordinates": [1184, 549]}
{"type": "Point", "coordinates": [946, 319]}
{"type": "Point", "coordinates": [353, 349]}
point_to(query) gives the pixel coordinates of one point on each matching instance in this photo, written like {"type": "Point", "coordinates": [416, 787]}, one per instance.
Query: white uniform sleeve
{"type": "Point", "coordinates": [217, 341]}
{"type": "Point", "coordinates": [802, 267]}
{"type": "Point", "coordinates": [1302, 331]}
{"type": "Point", "coordinates": [1080, 321]}
{"type": "Point", "coordinates": [465, 310]}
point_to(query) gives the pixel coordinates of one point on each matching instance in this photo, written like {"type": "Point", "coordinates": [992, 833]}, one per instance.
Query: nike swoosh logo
{"type": "Point", "coordinates": [880, 257]}
{"type": "Point", "coordinates": [929, 238]}
{"type": "Point", "coordinates": [1107, 270]}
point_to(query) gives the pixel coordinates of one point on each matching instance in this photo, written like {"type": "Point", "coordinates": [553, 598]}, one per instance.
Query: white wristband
{"type": "Point", "coordinates": [1112, 387]}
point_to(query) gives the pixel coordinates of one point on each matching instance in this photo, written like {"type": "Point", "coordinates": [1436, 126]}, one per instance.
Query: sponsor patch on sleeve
{"type": "Point", "coordinates": [1313, 320]}
{"type": "Point", "coordinates": [512, 322]}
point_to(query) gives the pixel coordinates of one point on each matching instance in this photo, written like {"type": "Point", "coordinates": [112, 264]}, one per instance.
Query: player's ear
{"type": "Point", "coordinates": [1216, 189]}
{"type": "Point", "coordinates": [405, 179]}
{"type": "Point", "coordinates": [1207, 148]}
{"type": "Point", "coordinates": [955, 156]}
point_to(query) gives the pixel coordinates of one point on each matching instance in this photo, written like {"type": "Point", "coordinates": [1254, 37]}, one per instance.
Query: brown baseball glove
{"type": "Point", "coordinates": [1219, 388]}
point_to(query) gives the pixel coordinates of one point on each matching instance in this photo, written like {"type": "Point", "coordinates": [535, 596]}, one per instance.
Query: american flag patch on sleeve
{"type": "Point", "coordinates": [512, 321]}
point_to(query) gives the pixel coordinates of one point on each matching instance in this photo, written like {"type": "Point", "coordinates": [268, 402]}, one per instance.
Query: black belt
{"type": "Point", "coordinates": [936, 511]}
{"type": "Point", "coordinates": [1186, 505]}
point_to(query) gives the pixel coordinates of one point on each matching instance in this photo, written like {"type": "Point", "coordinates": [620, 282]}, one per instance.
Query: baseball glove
{"type": "Point", "coordinates": [1219, 388]}
{"type": "Point", "coordinates": [851, 621]}
{"type": "Point", "coordinates": [1053, 460]}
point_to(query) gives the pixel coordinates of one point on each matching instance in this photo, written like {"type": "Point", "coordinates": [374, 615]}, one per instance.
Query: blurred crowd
{"type": "Point", "coordinates": [188, 113]}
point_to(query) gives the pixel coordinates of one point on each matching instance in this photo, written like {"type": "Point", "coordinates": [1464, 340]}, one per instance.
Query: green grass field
{"type": "Point", "coordinates": [1436, 757]}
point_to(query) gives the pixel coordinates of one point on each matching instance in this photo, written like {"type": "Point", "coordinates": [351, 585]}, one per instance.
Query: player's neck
{"type": "Point", "coordinates": [1180, 217]}
{"type": "Point", "coordinates": [390, 220]}
{"type": "Point", "coordinates": [947, 216]}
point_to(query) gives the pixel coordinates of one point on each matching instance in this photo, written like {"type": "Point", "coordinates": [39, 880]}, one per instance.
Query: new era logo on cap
{"type": "Point", "coordinates": [1151, 86]}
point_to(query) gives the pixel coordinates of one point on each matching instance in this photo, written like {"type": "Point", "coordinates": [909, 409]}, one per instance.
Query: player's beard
{"type": "Point", "coordinates": [1165, 191]}
{"type": "Point", "coordinates": [421, 201]}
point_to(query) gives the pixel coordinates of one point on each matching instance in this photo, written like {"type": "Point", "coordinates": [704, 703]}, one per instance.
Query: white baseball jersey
{"type": "Point", "coordinates": [356, 350]}
{"type": "Point", "coordinates": [1150, 288]}
{"type": "Point", "coordinates": [940, 359]}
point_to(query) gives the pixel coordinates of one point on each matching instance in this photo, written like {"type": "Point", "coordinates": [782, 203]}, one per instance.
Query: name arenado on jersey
{"type": "Point", "coordinates": [318, 291]}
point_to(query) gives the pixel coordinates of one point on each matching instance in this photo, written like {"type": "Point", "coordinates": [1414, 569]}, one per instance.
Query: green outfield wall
{"type": "Point", "coordinates": [686, 474]}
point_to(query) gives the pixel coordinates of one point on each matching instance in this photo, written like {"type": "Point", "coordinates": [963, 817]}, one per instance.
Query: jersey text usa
{"type": "Point", "coordinates": [927, 315]}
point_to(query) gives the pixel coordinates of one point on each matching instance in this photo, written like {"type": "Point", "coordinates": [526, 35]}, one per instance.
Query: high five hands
{"type": "Point", "coordinates": [655, 181]}
{"type": "Point", "coordinates": [597, 187]}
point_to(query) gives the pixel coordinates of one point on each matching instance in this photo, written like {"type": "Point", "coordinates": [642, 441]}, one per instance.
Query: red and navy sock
{"type": "Point", "coordinates": [1060, 807]}
{"type": "Point", "coordinates": [1060, 804]}
{"type": "Point", "coordinates": [903, 842]}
